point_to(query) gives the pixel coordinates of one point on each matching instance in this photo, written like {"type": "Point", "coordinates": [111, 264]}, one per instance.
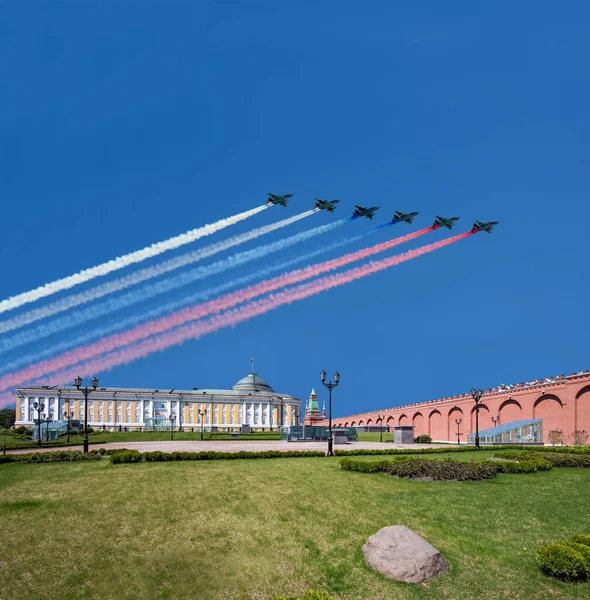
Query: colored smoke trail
{"type": "Point", "coordinates": [177, 321]}
{"type": "Point", "coordinates": [122, 283]}
{"type": "Point", "coordinates": [176, 304]}
{"type": "Point", "coordinates": [161, 287]}
{"type": "Point", "coordinates": [125, 260]}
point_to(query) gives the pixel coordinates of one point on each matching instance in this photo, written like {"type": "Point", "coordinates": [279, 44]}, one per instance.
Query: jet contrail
{"type": "Point", "coordinates": [143, 274]}
{"type": "Point", "coordinates": [167, 285]}
{"type": "Point", "coordinates": [173, 305]}
{"type": "Point", "coordinates": [182, 331]}
{"type": "Point", "coordinates": [125, 260]}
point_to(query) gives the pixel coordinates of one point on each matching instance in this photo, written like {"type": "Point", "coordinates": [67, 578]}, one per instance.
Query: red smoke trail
{"type": "Point", "coordinates": [243, 313]}
{"type": "Point", "coordinates": [196, 312]}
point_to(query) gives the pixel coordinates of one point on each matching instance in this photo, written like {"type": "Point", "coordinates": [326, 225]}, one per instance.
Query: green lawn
{"type": "Point", "coordinates": [375, 437]}
{"type": "Point", "coordinates": [105, 437]}
{"type": "Point", "coordinates": [259, 528]}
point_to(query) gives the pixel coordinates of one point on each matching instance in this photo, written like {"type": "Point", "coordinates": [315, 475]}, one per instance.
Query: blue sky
{"type": "Point", "coordinates": [124, 123]}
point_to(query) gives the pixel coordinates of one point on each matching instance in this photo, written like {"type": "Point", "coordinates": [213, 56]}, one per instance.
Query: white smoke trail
{"type": "Point", "coordinates": [160, 287]}
{"type": "Point", "coordinates": [172, 305]}
{"type": "Point", "coordinates": [124, 261]}
{"type": "Point", "coordinates": [142, 275]}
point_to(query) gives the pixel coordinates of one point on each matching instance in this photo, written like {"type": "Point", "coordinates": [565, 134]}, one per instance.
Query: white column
{"type": "Point", "coordinates": [141, 413]}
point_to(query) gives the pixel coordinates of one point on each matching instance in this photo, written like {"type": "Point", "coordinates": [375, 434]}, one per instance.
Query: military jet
{"type": "Point", "coordinates": [442, 222]}
{"type": "Point", "coordinates": [276, 199]}
{"type": "Point", "coordinates": [484, 226]}
{"type": "Point", "coordinates": [361, 211]}
{"type": "Point", "coordinates": [399, 216]}
{"type": "Point", "coordinates": [328, 205]}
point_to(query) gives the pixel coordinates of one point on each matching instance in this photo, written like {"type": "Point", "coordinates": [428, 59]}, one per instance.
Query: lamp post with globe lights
{"type": "Point", "coordinates": [86, 392]}
{"type": "Point", "coordinates": [458, 421]}
{"type": "Point", "coordinates": [39, 407]}
{"type": "Point", "coordinates": [172, 420]}
{"type": "Point", "coordinates": [476, 395]}
{"type": "Point", "coordinates": [330, 387]}
{"type": "Point", "coordinates": [69, 415]}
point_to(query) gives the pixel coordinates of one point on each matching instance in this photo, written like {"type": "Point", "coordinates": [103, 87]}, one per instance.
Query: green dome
{"type": "Point", "coordinates": [252, 383]}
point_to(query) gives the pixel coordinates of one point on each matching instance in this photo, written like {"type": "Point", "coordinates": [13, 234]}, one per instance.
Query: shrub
{"type": "Point", "coordinates": [309, 595]}
{"type": "Point", "coordinates": [581, 539]}
{"type": "Point", "coordinates": [563, 561]}
{"type": "Point", "coordinates": [423, 439]}
{"type": "Point", "coordinates": [579, 437]}
{"type": "Point", "coordinates": [157, 456]}
{"type": "Point", "coordinates": [523, 466]}
{"type": "Point", "coordinates": [419, 468]}
{"type": "Point", "coordinates": [556, 437]}
{"type": "Point", "coordinates": [127, 456]}
{"type": "Point", "coordinates": [48, 457]}
{"type": "Point", "coordinates": [568, 460]}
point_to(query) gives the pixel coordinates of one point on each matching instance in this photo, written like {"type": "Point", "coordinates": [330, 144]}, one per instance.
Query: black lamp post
{"type": "Point", "coordinates": [172, 419]}
{"type": "Point", "coordinates": [202, 414]}
{"type": "Point", "coordinates": [69, 416]}
{"type": "Point", "coordinates": [330, 387]}
{"type": "Point", "coordinates": [458, 421]}
{"type": "Point", "coordinates": [476, 395]}
{"type": "Point", "coordinates": [86, 392]}
{"type": "Point", "coordinates": [496, 421]}
{"type": "Point", "coordinates": [47, 420]}
{"type": "Point", "coordinates": [381, 430]}
{"type": "Point", "coordinates": [39, 408]}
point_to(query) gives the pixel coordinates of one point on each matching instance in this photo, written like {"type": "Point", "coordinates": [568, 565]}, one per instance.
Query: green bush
{"type": "Point", "coordinates": [309, 595]}
{"type": "Point", "coordinates": [581, 539]}
{"type": "Point", "coordinates": [49, 457]}
{"type": "Point", "coordinates": [420, 468]}
{"type": "Point", "coordinates": [579, 461]}
{"type": "Point", "coordinates": [423, 439]}
{"type": "Point", "coordinates": [563, 561]}
{"type": "Point", "coordinates": [531, 465]}
{"type": "Point", "coordinates": [157, 456]}
{"type": "Point", "coordinates": [127, 456]}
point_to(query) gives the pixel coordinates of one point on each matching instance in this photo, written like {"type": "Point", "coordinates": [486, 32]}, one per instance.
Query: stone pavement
{"type": "Point", "coordinates": [236, 446]}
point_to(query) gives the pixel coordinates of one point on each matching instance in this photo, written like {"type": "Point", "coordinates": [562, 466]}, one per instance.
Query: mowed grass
{"type": "Point", "coordinates": [260, 528]}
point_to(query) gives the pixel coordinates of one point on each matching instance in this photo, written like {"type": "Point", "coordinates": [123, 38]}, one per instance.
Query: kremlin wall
{"type": "Point", "coordinates": [562, 402]}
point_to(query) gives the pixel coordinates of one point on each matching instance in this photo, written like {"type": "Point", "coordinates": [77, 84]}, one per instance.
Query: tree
{"type": "Point", "coordinates": [7, 417]}
{"type": "Point", "coordinates": [579, 437]}
{"type": "Point", "coordinates": [556, 437]}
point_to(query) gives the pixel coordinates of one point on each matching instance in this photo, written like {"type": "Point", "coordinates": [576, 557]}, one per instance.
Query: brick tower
{"type": "Point", "coordinates": [312, 411]}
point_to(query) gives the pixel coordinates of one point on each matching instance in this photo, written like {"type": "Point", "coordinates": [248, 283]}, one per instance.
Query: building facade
{"type": "Point", "coordinates": [251, 401]}
{"type": "Point", "coordinates": [562, 402]}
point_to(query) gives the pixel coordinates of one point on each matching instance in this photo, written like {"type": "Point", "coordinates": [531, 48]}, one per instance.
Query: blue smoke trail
{"type": "Point", "coordinates": [154, 289]}
{"type": "Point", "coordinates": [173, 305]}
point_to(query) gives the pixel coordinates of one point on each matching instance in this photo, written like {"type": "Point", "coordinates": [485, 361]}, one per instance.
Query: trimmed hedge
{"type": "Point", "coordinates": [561, 460]}
{"type": "Point", "coordinates": [581, 539]}
{"type": "Point", "coordinates": [423, 439]}
{"type": "Point", "coordinates": [569, 561]}
{"type": "Point", "coordinates": [391, 451]}
{"type": "Point", "coordinates": [524, 466]}
{"type": "Point", "coordinates": [49, 457]}
{"type": "Point", "coordinates": [129, 456]}
{"type": "Point", "coordinates": [420, 468]}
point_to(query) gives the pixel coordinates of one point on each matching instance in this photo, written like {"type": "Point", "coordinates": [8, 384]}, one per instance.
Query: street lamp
{"type": "Point", "coordinates": [172, 419]}
{"type": "Point", "coordinates": [202, 414]}
{"type": "Point", "coordinates": [496, 421]}
{"type": "Point", "coordinates": [39, 407]}
{"type": "Point", "coordinates": [47, 420]}
{"type": "Point", "coordinates": [330, 386]}
{"type": "Point", "coordinates": [458, 421]}
{"type": "Point", "coordinates": [86, 392]}
{"type": "Point", "coordinates": [69, 416]}
{"type": "Point", "coordinates": [476, 395]}
{"type": "Point", "coordinates": [381, 430]}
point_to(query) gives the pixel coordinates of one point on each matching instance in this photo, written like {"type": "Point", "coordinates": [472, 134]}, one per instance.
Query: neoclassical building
{"type": "Point", "coordinates": [250, 401]}
{"type": "Point", "coordinates": [561, 402]}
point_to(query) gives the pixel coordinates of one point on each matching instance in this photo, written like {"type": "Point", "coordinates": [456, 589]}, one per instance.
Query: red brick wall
{"type": "Point", "coordinates": [564, 404]}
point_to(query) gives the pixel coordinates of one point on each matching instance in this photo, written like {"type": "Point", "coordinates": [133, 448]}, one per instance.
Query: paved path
{"type": "Point", "coordinates": [235, 446]}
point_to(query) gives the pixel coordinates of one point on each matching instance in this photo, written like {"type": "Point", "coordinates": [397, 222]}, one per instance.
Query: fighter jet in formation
{"type": "Point", "coordinates": [442, 222]}
{"type": "Point", "coordinates": [400, 216]}
{"type": "Point", "coordinates": [328, 205]}
{"type": "Point", "coordinates": [276, 199]}
{"type": "Point", "coordinates": [361, 211]}
{"type": "Point", "coordinates": [484, 226]}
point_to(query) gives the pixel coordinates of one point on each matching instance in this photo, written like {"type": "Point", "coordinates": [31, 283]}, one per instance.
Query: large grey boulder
{"type": "Point", "coordinates": [399, 553]}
